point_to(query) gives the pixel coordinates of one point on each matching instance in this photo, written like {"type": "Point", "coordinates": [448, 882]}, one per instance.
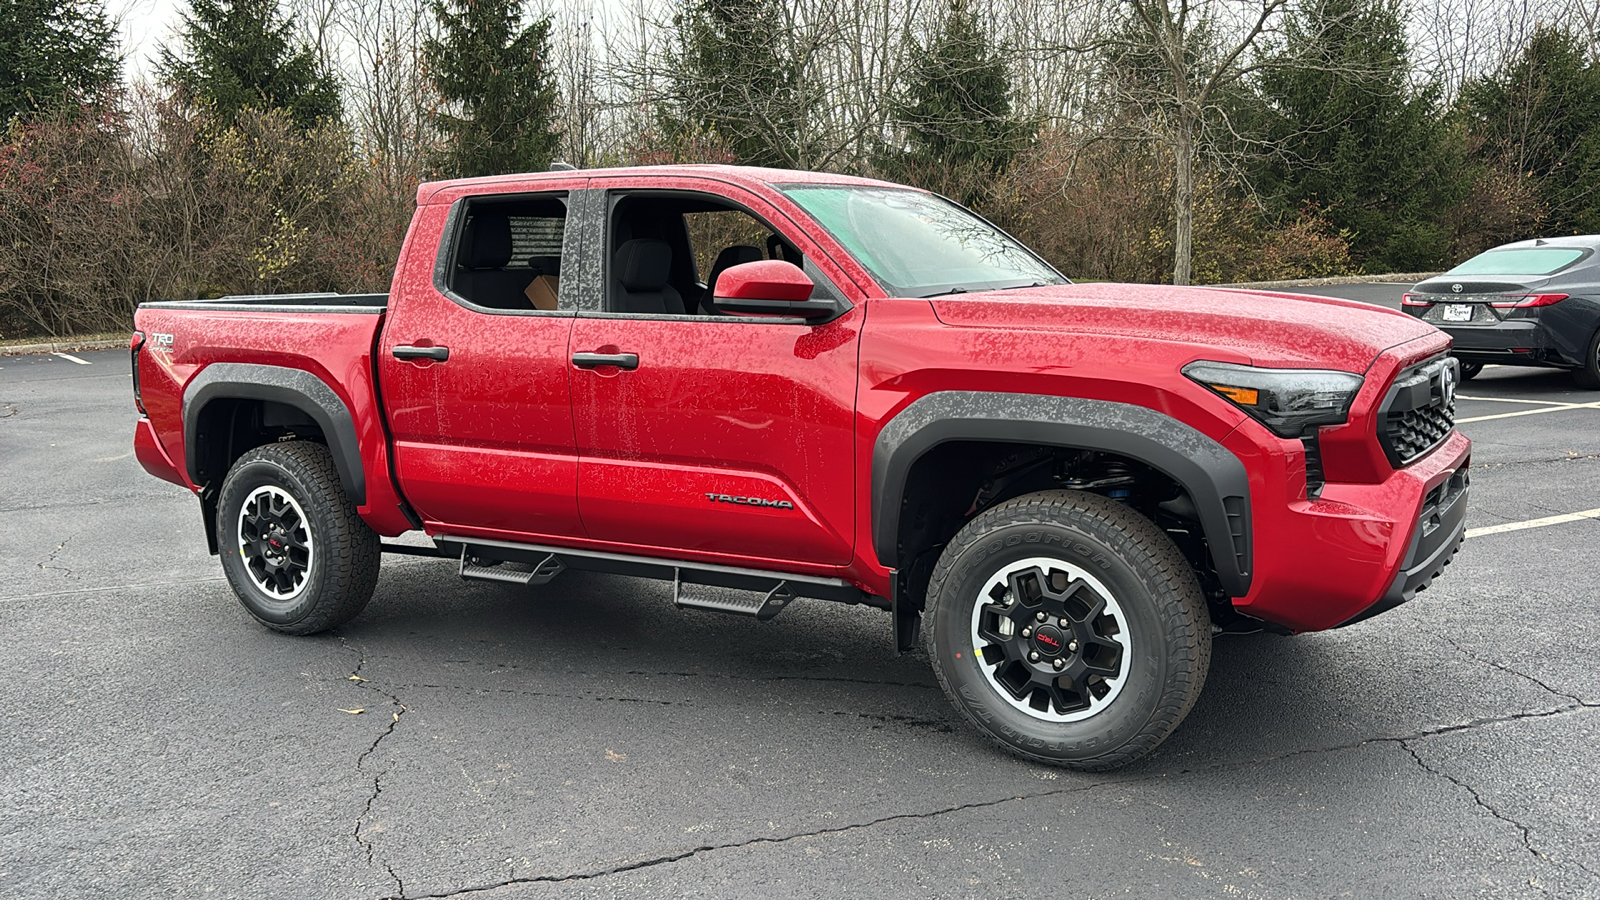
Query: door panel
{"type": "Point", "coordinates": [731, 437]}
{"type": "Point", "coordinates": [484, 438]}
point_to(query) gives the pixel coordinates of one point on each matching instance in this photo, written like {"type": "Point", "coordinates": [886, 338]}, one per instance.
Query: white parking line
{"type": "Point", "coordinates": [1530, 412]}
{"type": "Point", "coordinates": [1534, 523]}
{"type": "Point", "coordinates": [70, 358]}
{"type": "Point", "coordinates": [1517, 400]}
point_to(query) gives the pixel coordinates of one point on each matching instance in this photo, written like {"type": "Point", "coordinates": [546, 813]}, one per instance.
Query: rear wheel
{"type": "Point", "coordinates": [293, 547]}
{"type": "Point", "coordinates": [1588, 377]}
{"type": "Point", "coordinates": [1470, 370]}
{"type": "Point", "coordinates": [1069, 629]}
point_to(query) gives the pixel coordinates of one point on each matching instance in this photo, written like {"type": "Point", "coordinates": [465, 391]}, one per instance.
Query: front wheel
{"type": "Point", "coordinates": [1069, 629]}
{"type": "Point", "coordinates": [294, 549]}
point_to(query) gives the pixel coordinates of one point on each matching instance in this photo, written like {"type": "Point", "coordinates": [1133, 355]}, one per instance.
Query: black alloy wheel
{"type": "Point", "coordinates": [295, 551]}
{"type": "Point", "coordinates": [1068, 628]}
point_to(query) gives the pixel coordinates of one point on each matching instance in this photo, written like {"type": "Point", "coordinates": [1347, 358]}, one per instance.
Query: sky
{"type": "Point", "coordinates": [143, 26]}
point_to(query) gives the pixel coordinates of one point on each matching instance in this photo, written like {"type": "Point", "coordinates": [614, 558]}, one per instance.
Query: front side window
{"type": "Point", "coordinates": [918, 244]}
{"type": "Point", "coordinates": [1522, 261]}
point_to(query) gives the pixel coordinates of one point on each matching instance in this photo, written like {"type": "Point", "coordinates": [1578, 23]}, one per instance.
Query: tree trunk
{"type": "Point", "coordinates": [1183, 203]}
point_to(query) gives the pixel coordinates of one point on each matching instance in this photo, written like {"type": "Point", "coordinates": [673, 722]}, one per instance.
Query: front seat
{"type": "Point", "coordinates": [481, 273]}
{"type": "Point", "coordinates": [738, 254]}
{"type": "Point", "coordinates": [640, 268]}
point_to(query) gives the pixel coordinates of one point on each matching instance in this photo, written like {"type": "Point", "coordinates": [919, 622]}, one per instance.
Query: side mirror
{"type": "Point", "coordinates": [768, 287]}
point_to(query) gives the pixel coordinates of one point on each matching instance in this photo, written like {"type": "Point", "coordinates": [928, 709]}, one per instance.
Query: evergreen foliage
{"type": "Point", "coordinates": [242, 54]}
{"type": "Point", "coordinates": [956, 110]}
{"type": "Point", "coordinates": [501, 95]}
{"type": "Point", "coordinates": [52, 51]}
{"type": "Point", "coordinates": [731, 85]}
{"type": "Point", "coordinates": [1356, 141]}
{"type": "Point", "coordinates": [1539, 118]}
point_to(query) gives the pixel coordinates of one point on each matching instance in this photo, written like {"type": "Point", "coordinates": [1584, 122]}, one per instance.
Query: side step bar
{"type": "Point", "coordinates": [505, 561]}
{"type": "Point", "coordinates": [474, 567]}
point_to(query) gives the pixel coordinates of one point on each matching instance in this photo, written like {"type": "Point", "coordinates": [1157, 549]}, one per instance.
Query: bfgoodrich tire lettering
{"type": "Point", "coordinates": [1064, 554]}
{"type": "Point", "coordinates": [295, 551]}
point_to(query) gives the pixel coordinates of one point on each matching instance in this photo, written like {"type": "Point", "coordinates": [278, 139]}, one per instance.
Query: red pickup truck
{"type": "Point", "coordinates": [784, 384]}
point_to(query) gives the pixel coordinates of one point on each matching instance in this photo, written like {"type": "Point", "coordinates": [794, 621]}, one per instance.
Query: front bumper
{"type": "Point", "coordinates": [1358, 549]}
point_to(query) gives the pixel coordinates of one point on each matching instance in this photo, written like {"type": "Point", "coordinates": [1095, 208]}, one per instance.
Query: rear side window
{"type": "Point", "coordinates": [1524, 261]}
{"type": "Point", "coordinates": [507, 253]}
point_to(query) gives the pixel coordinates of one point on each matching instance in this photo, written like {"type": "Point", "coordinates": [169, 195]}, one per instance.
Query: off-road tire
{"type": "Point", "coordinates": [1588, 376]}
{"type": "Point", "coordinates": [341, 568]}
{"type": "Point", "coordinates": [1169, 629]}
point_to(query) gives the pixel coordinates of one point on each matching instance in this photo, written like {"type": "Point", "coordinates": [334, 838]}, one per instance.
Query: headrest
{"type": "Point", "coordinates": [486, 244]}
{"type": "Point", "coordinates": [545, 265]}
{"type": "Point", "coordinates": [736, 255]}
{"type": "Point", "coordinates": [643, 265]}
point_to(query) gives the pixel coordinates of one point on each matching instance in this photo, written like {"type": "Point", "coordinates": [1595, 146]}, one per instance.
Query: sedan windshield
{"type": "Point", "coordinates": [1525, 261]}
{"type": "Point", "coordinates": [921, 245]}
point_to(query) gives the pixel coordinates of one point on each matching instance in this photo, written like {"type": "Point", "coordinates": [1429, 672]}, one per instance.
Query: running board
{"type": "Point", "coordinates": [474, 568]}
{"type": "Point", "coordinates": [750, 604]}
{"type": "Point", "coordinates": [537, 564]}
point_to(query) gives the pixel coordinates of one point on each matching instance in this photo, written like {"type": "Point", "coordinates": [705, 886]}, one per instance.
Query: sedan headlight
{"type": "Point", "coordinates": [1288, 401]}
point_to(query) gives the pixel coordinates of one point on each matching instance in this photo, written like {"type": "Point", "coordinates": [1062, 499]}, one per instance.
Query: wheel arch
{"type": "Point", "coordinates": [213, 400]}
{"type": "Point", "coordinates": [1213, 477]}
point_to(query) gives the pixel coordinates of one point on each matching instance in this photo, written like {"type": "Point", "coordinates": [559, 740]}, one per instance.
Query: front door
{"type": "Point", "coordinates": [729, 437]}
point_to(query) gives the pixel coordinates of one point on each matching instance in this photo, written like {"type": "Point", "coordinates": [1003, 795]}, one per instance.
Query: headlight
{"type": "Point", "coordinates": [1288, 401]}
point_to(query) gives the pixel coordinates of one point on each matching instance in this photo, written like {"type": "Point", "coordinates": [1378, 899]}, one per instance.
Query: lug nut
{"type": "Point", "coordinates": [1040, 616]}
{"type": "Point", "coordinates": [1027, 632]}
{"type": "Point", "coordinates": [1060, 664]}
{"type": "Point", "coordinates": [1033, 657]}
{"type": "Point", "coordinates": [1073, 646]}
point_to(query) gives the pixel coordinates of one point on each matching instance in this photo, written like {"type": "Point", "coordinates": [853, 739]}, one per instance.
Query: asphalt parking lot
{"type": "Point", "coordinates": [586, 739]}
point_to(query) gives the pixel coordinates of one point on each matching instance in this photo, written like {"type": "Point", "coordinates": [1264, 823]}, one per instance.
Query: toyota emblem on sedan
{"type": "Point", "coordinates": [1456, 288]}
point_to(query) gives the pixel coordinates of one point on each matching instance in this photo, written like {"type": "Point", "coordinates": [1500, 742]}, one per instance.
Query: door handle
{"type": "Point", "coordinates": [628, 361]}
{"type": "Point", "coordinates": [406, 351]}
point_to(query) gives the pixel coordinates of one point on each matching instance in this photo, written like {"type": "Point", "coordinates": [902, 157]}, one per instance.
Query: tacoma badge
{"type": "Point", "coordinates": [750, 501]}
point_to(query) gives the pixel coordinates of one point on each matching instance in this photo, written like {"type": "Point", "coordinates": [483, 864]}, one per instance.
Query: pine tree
{"type": "Point", "coordinates": [51, 51]}
{"type": "Point", "coordinates": [239, 54]}
{"type": "Point", "coordinates": [495, 75]}
{"type": "Point", "coordinates": [731, 85]}
{"type": "Point", "coordinates": [957, 108]}
{"type": "Point", "coordinates": [1539, 117]}
{"type": "Point", "coordinates": [1355, 140]}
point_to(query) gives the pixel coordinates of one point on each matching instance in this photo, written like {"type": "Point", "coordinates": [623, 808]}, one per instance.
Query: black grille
{"type": "Point", "coordinates": [1420, 410]}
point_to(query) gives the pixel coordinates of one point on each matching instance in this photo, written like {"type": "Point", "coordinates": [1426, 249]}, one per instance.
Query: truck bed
{"type": "Point", "coordinates": [299, 303]}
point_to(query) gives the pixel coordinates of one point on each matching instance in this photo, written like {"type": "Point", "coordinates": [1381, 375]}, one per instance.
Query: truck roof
{"type": "Point", "coordinates": [745, 176]}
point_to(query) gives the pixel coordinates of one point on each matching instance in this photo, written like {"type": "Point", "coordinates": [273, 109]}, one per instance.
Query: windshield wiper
{"type": "Point", "coordinates": [954, 290]}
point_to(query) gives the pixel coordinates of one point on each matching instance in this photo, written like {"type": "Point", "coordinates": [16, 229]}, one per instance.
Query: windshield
{"type": "Point", "coordinates": [921, 245]}
{"type": "Point", "coordinates": [1528, 261]}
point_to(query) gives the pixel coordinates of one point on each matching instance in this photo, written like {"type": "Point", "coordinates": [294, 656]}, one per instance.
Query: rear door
{"type": "Point", "coordinates": [730, 437]}
{"type": "Point", "coordinates": [474, 373]}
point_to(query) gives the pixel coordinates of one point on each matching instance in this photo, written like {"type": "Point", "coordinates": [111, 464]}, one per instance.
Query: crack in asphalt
{"type": "Point", "coordinates": [1496, 664]}
{"type": "Point", "coordinates": [1527, 834]}
{"type": "Point", "coordinates": [1403, 741]}
{"type": "Point", "coordinates": [9, 410]}
{"type": "Point", "coordinates": [44, 565]}
{"type": "Point", "coordinates": [377, 780]}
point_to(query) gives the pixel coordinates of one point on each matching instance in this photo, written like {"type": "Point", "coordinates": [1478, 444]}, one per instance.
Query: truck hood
{"type": "Point", "coordinates": [1267, 328]}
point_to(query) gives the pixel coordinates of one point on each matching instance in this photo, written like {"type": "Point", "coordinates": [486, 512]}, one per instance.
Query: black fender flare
{"type": "Point", "coordinates": [1214, 477]}
{"type": "Point", "coordinates": [292, 387]}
